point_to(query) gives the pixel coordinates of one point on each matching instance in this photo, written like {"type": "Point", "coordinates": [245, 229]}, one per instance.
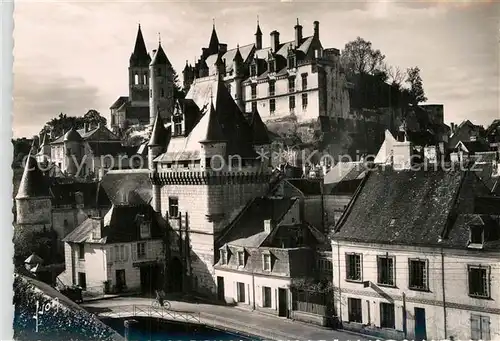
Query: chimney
{"type": "Point", "coordinates": [298, 34]}
{"type": "Point", "coordinates": [316, 29]}
{"type": "Point", "coordinates": [275, 41]}
{"type": "Point", "coordinates": [267, 226]}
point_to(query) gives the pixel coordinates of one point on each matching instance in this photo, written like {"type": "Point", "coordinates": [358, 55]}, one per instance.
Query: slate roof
{"type": "Point", "coordinates": [131, 187]}
{"type": "Point", "coordinates": [160, 58]}
{"type": "Point", "coordinates": [248, 228]}
{"type": "Point", "coordinates": [119, 102]}
{"type": "Point", "coordinates": [260, 132]}
{"type": "Point", "coordinates": [86, 135]}
{"type": "Point", "coordinates": [159, 135]}
{"type": "Point", "coordinates": [408, 207]}
{"type": "Point", "coordinates": [344, 171]}
{"type": "Point", "coordinates": [140, 56]}
{"type": "Point", "coordinates": [33, 183]}
{"type": "Point", "coordinates": [121, 225]}
{"type": "Point", "coordinates": [114, 149]}
{"type": "Point", "coordinates": [306, 186]}
{"type": "Point", "coordinates": [460, 233]}
{"type": "Point", "coordinates": [474, 146]}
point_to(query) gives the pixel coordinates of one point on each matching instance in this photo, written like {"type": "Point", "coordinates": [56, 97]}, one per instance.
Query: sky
{"type": "Point", "coordinates": [73, 56]}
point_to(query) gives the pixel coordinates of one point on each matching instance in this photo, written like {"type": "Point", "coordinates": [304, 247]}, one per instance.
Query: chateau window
{"type": "Point", "coordinates": [291, 102]}
{"type": "Point", "coordinates": [479, 285]}
{"type": "Point", "coordinates": [291, 84]}
{"type": "Point", "coordinates": [272, 105]}
{"type": "Point", "coordinates": [304, 82]}
{"type": "Point", "coordinates": [354, 310]}
{"type": "Point", "coordinates": [271, 66]}
{"type": "Point", "coordinates": [480, 327]}
{"type": "Point", "coordinates": [223, 256]}
{"type": "Point", "coordinates": [418, 274]}
{"type": "Point", "coordinates": [241, 258]}
{"type": "Point", "coordinates": [253, 88]}
{"type": "Point", "coordinates": [178, 128]}
{"type": "Point", "coordinates": [81, 251]}
{"type": "Point", "coordinates": [173, 207]}
{"type": "Point", "coordinates": [291, 61]}
{"type": "Point", "coordinates": [136, 79]}
{"type": "Point", "coordinates": [387, 316]}
{"type": "Point", "coordinates": [304, 101]}
{"type": "Point", "coordinates": [272, 88]}
{"type": "Point", "coordinates": [385, 270]}
{"type": "Point", "coordinates": [266, 262]}
{"type": "Point", "coordinates": [353, 267]}
{"type": "Point", "coordinates": [141, 250]}
{"type": "Point", "coordinates": [254, 106]}
{"type": "Point", "coordinates": [253, 70]}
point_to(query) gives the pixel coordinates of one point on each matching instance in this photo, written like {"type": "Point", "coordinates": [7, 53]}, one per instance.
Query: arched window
{"type": "Point", "coordinates": [136, 79]}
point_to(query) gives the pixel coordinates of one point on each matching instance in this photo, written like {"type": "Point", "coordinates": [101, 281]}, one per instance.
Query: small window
{"type": "Point", "coordinates": [291, 84]}
{"type": "Point", "coordinates": [291, 102]}
{"type": "Point", "coordinates": [81, 251]}
{"type": "Point", "coordinates": [145, 230]}
{"type": "Point", "coordinates": [476, 235]}
{"type": "Point", "coordinates": [479, 285]}
{"type": "Point", "coordinates": [254, 106]}
{"type": "Point", "coordinates": [387, 318]}
{"type": "Point", "coordinates": [145, 79]}
{"type": "Point", "coordinates": [136, 79]}
{"type": "Point", "coordinates": [385, 269]}
{"type": "Point", "coordinates": [272, 88]}
{"type": "Point", "coordinates": [304, 82]}
{"type": "Point", "coordinates": [480, 327]}
{"type": "Point", "coordinates": [272, 106]}
{"type": "Point", "coordinates": [253, 88]}
{"type": "Point", "coordinates": [266, 262]}
{"type": "Point", "coordinates": [241, 258]}
{"type": "Point", "coordinates": [353, 267]}
{"type": "Point", "coordinates": [173, 207]}
{"type": "Point", "coordinates": [418, 274]}
{"type": "Point", "coordinates": [223, 256]}
{"type": "Point", "coordinates": [304, 101]}
{"type": "Point", "coordinates": [354, 309]}
{"type": "Point", "coordinates": [141, 250]}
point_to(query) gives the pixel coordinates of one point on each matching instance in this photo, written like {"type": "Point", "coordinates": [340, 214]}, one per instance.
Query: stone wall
{"type": "Point", "coordinates": [34, 211]}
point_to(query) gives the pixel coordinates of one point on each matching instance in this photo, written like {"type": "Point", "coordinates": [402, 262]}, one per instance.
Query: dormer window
{"type": "Point", "coordinates": [271, 66]}
{"type": "Point", "coordinates": [272, 88]}
{"type": "Point", "coordinates": [241, 258]}
{"type": "Point", "coordinates": [223, 256]}
{"type": "Point", "coordinates": [266, 261]}
{"type": "Point", "coordinates": [253, 70]}
{"type": "Point", "coordinates": [476, 235]}
{"type": "Point", "coordinates": [145, 229]}
{"type": "Point", "coordinates": [291, 61]}
{"type": "Point", "coordinates": [291, 84]}
{"type": "Point", "coordinates": [253, 88]}
{"type": "Point", "coordinates": [177, 120]}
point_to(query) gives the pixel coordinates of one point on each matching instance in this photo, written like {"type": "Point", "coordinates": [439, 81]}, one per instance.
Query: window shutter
{"type": "Point", "coordinates": [471, 282]}
{"type": "Point", "coordinates": [134, 251]}
{"type": "Point", "coordinates": [485, 328]}
{"type": "Point", "coordinates": [475, 331]}
{"type": "Point", "coordinates": [125, 252]}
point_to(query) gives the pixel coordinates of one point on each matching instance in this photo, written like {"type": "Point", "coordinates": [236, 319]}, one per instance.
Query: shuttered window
{"type": "Point", "coordinates": [479, 327]}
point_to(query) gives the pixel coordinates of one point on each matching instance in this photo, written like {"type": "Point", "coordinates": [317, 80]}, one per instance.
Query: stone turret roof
{"type": "Point", "coordinates": [209, 127]}
{"type": "Point", "coordinates": [214, 41]}
{"type": "Point", "coordinates": [159, 133]}
{"type": "Point", "coordinates": [160, 58]}
{"type": "Point", "coordinates": [259, 32]}
{"type": "Point", "coordinates": [33, 183]}
{"type": "Point", "coordinates": [140, 56]}
{"type": "Point", "coordinates": [72, 135]}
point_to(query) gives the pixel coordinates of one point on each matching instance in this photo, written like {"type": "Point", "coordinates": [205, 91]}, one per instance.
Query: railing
{"type": "Point", "coordinates": [150, 311]}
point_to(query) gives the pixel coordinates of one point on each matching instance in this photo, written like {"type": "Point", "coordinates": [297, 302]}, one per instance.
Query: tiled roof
{"type": "Point", "coordinates": [121, 225]}
{"type": "Point", "coordinates": [33, 183]}
{"type": "Point", "coordinates": [119, 102]}
{"type": "Point", "coordinates": [248, 228]}
{"type": "Point", "coordinates": [132, 187]}
{"type": "Point", "coordinates": [407, 207]}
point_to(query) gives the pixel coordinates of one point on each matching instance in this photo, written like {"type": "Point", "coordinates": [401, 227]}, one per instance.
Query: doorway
{"type": "Point", "coordinates": [149, 278]}
{"type": "Point", "coordinates": [220, 288]}
{"type": "Point", "coordinates": [175, 275]}
{"type": "Point", "coordinates": [121, 283]}
{"type": "Point", "coordinates": [420, 326]}
{"type": "Point", "coordinates": [82, 280]}
{"type": "Point", "coordinates": [282, 302]}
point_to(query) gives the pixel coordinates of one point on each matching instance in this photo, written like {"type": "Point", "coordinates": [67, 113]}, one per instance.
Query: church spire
{"type": "Point", "coordinates": [140, 56]}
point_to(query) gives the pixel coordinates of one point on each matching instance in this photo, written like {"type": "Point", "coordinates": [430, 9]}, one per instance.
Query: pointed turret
{"type": "Point", "coordinates": [237, 55]}
{"type": "Point", "coordinates": [159, 133]}
{"type": "Point", "coordinates": [33, 182]}
{"type": "Point", "coordinates": [140, 56]}
{"type": "Point", "coordinates": [160, 58]}
{"type": "Point", "coordinates": [213, 46]}
{"type": "Point", "coordinates": [258, 37]}
{"type": "Point", "coordinates": [213, 131]}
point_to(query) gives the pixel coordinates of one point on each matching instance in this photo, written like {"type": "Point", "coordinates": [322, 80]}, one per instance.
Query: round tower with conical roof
{"type": "Point", "coordinates": [74, 151]}
{"type": "Point", "coordinates": [33, 200]}
{"type": "Point", "coordinates": [138, 71]}
{"type": "Point", "coordinates": [161, 86]}
{"type": "Point", "coordinates": [156, 145]}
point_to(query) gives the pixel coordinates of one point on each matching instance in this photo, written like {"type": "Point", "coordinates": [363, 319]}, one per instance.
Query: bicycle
{"type": "Point", "coordinates": [156, 304]}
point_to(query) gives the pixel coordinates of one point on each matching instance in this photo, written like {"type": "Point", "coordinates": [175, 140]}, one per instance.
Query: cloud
{"type": "Point", "coordinates": [37, 100]}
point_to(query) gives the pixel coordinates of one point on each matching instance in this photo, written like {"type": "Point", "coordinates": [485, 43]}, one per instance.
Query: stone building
{"type": "Point", "coordinates": [298, 77]}
{"type": "Point", "coordinates": [416, 254]}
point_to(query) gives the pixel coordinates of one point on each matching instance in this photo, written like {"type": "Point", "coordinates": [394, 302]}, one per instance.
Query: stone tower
{"type": "Point", "coordinates": [33, 200]}
{"type": "Point", "coordinates": [74, 151]}
{"type": "Point", "coordinates": [161, 87]}
{"type": "Point", "coordinates": [156, 146]}
{"type": "Point", "coordinates": [138, 72]}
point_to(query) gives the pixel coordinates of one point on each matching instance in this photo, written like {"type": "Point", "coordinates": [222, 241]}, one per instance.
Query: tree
{"type": "Point", "coordinates": [43, 243]}
{"type": "Point", "coordinates": [178, 91]}
{"type": "Point", "coordinates": [93, 117]}
{"type": "Point", "coordinates": [395, 75]}
{"type": "Point", "coordinates": [58, 125]}
{"type": "Point", "coordinates": [416, 90]}
{"type": "Point", "coordinates": [359, 57]}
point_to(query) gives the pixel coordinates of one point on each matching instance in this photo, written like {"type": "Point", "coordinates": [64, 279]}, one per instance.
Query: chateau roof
{"type": "Point", "coordinates": [159, 134]}
{"type": "Point", "coordinates": [414, 207]}
{"type": "Point", "coordinates": [33, 184]}
{"type": "Point", "coordinates": [209, 128]}
{"type": "Point", "coordinates": [160, 58]}
{"type": "Point", "coordinates": [214, 40]}
{"type": "Point", "coordinates": [86, 135]}
{"type": "Point", "coordinates": [140, 56]}
{"type": "Point", "coordinates": [259, 129]}
{"type": "Point", "coordinates": [72, 135]}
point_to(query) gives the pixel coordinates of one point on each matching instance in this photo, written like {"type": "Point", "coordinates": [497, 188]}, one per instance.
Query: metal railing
{"type": "Point", "coordinates": [151, 311]}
